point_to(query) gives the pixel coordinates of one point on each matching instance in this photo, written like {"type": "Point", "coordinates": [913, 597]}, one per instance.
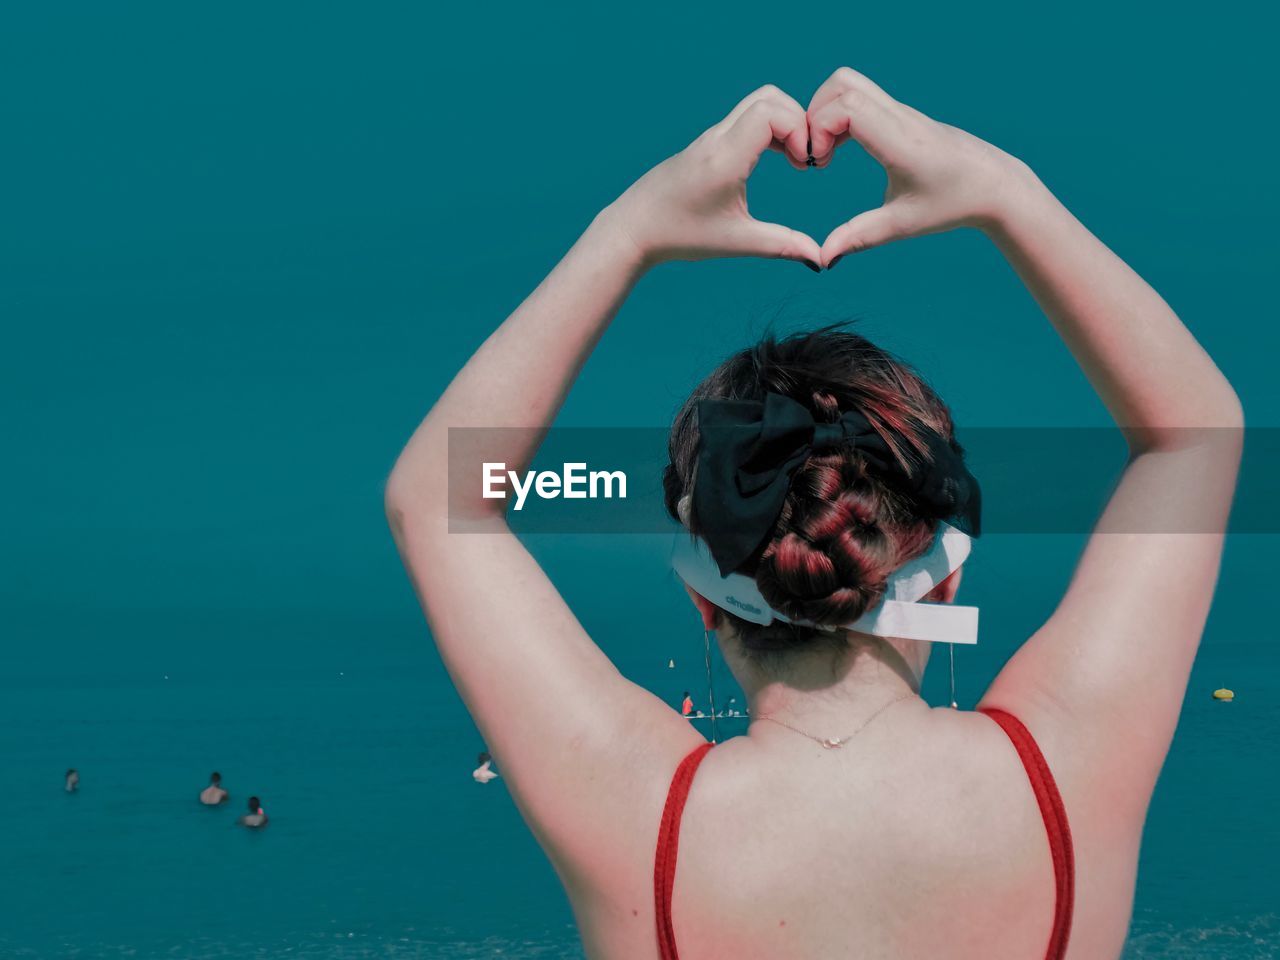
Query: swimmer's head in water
{"type": "Point", "coordinates": [483, 759]}
{"type": "Point", "coordinates": [843, 527]}
{"type": "Point", "coordinates": [255, 805]}
{"type": "Point", "coordinates": [215, 778]}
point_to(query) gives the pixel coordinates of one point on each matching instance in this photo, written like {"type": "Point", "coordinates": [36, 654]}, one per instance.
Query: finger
{"type": "Point", "coordinates": [788, 129]}
{"type": "Point", "coordinates": [783, 149]}
{"type": "Point", "coordinates": [766, 121]}
{"type": "Point", "coordinates": [757, 238]}
{"type": "Point", "coordinates": [767, 92]}
{"type": "Point", "coordinates": [868, 229]}
{"type": "Point", "coordinates": [860, 116]}
{"type": "Point", "coordinates": [844, 79]}
{"type": "Point", "coordinates": [826, 147]}
{"type": "Point", "coordinates": [857, 92]}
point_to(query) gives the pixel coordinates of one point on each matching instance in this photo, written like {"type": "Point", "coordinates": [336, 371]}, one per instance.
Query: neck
{"type": "Point", "coordinates": [831, 685]}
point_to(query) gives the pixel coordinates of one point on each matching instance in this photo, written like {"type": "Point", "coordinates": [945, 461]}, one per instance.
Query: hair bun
{"type": "Point", "coordinates": [829, 559]}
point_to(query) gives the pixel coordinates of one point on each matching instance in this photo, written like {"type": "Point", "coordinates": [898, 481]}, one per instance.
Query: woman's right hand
{"type": "Point", "coordinates": [939, 176]}
{"type": "Point", "coordinates": [693, 206]}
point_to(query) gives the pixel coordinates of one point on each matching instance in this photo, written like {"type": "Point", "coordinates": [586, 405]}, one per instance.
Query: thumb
{"type": "Point", "coordinates": [757, 238]}
{"type": "Point", "coordinates": [868, 229]}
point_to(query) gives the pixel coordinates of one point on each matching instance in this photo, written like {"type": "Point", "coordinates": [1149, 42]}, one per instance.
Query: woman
{"type": "Point", "coordinates": [1009, 832]}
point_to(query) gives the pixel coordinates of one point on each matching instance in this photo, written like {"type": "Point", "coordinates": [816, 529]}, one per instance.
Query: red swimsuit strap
{"type": "Point", "coordinates": [1042, 783]}
{"type": "Point", "coordinates": [1055, 823]}
{"type": "Point", "coordinates": [664, 866]}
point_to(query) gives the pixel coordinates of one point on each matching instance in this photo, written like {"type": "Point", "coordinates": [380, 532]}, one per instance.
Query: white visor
{"type": "Point", "coordinates": [899, 614]}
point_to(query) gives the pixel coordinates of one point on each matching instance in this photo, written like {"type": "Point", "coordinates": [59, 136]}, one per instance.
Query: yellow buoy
{"type": "Point", "coordinates": [1223, 693]}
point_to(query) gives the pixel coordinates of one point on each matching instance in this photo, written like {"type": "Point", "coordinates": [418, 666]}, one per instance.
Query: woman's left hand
{"type": "Point", "coordinates": [693, 206]}
{"type": "Point", "coordinates": [939, 176]}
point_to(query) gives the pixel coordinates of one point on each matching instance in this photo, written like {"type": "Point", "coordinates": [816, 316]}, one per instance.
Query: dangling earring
{"type": "Point", "coordinates": [711, 690]}
{"type": "Point", "coordinates": [951, 652]}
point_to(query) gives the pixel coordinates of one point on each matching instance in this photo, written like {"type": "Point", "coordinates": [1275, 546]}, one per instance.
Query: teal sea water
{"type": "Point", "coordinates": [244, 248]}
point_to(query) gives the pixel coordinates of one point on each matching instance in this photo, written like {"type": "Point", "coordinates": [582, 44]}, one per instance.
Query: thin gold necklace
{"type": "Point", "coordinates": [832, 743]}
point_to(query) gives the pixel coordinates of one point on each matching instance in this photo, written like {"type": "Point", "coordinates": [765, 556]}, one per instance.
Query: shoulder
{"type": "Point", "coordinates": [634, 783]}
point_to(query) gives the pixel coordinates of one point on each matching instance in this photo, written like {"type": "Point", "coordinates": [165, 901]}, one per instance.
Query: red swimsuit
{"type": "Point", "coordinates": [1046, 791]}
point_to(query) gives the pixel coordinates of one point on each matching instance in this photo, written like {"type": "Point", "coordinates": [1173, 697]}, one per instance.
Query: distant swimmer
{"type": "Point", "coordinates": [213, 794]}
{"type": "Point", "coordinates": [484, 772]}
{"type": "Point", "coordinates": [256, 817]}
{"type": "Point", "coordinates": [686, 708]}
{"type": "Point", "coordinates": [73, 781]}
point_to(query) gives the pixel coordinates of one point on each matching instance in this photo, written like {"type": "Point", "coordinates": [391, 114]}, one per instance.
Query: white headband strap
{"type": "Point", "coordinates": [899, 614]}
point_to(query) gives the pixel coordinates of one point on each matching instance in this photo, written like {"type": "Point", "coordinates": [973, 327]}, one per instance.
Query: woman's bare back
{"type": "Point", "coordinates": [921, 837]}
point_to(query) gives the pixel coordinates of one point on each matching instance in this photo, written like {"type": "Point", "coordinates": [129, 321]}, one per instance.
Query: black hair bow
{"type": "Point", "coordinates": [749, 451]}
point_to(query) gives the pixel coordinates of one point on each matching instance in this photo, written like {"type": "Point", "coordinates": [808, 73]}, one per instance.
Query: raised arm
{"type": "Point", "coordinates": [1102, 682]}
{"type": "Point", "coordinates": [574, 738]}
